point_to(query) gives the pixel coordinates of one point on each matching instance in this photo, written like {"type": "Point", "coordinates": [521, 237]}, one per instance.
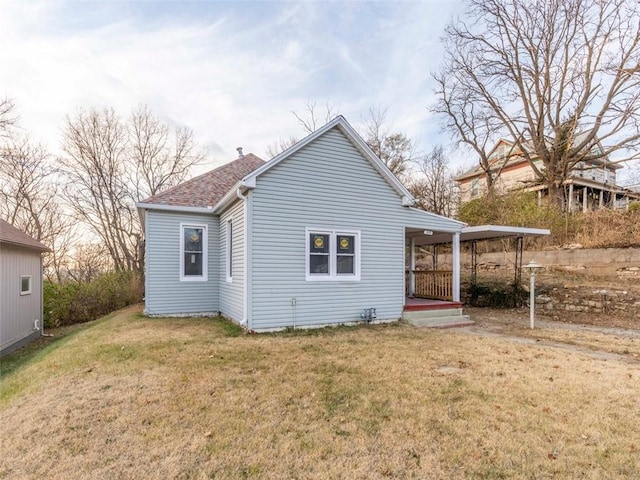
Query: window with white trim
{"type": "Point", "coordinates": [229, 251]}
{"type": "Point", "coordinates": [193, 248]}
{"type": "Point", "coordinates": [25, 285]}
{"type": "Point", "coordinates": [332, 255]}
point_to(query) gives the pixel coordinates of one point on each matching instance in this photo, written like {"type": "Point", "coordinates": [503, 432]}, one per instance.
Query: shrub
{"type": "Point", "coordinates": [72, 302]}
{"type": "Point", "coordinates": [593, 229]}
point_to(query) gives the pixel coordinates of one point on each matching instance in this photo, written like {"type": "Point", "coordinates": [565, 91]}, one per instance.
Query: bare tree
{"type": "Point", "coordinates": [559, 78]}
{"type": "Point", "coordinates": [396, 150]}
{"type": "Point", "coordinates": [95, 167]}
{"type": "Point", "coordinates": [110, 165]}
{"type": "Point", "coordinates": [315, 116]}
{"type": "Point", "coordinates": [8, 116]}
{"type": "Point", "coordinates": [88, 261]}
{"type": "Point", "coordinates": [472, 126]}
{"type": "Point", "coordinates": [29, 198]}
{"type": "Point", "coordinates": [280, 146]}
{"type": "Point", "coordinates": [434, 188]}
{"type": "Point", "coordinates": [159, 161]}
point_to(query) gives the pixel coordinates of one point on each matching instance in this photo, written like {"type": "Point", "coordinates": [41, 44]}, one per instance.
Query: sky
{"type": "Point", "coordinates": [231, 71]}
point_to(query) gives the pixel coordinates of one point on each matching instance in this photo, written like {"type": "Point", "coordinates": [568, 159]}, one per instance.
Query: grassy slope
{"type": "Point", "coordinates": [193, 398]}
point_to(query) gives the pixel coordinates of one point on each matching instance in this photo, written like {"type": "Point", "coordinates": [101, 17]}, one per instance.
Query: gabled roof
{"type": "Point", "coordinates": [12, 236]}
{"type": "Point", "coordinates": [214, 191]}
{"type": "Point", "coordinates": [207, 189]}
{"type": "Point", "coordinates": [249, 181]}
{"type": "Point", "coordinates": [341, 123]}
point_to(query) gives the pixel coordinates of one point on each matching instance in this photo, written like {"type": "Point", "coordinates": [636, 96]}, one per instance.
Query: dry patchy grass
{"type": "Point", "coordinates": [131, 397]}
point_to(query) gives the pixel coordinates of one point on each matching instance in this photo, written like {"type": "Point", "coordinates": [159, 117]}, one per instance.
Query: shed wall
{"type": "Point", "coordinates": [19, 312]}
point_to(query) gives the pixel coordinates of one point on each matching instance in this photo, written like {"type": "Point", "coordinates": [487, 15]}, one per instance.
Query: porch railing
{"type": "Point", "coordinates": [437, 284]}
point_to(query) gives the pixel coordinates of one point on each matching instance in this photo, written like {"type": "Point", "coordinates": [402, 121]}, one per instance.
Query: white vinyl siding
{"type": "Point", "coordinates": [18, 310]}
{"type": "Point", "coordinates": [327, 183]}
{"type": "Point", "coordinates": [165, 293]}
{"type": "Point", "coordinates": [232, 256]}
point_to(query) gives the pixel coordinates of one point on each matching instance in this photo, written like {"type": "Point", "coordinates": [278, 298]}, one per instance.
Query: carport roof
{"type": "Point", "coordinates": [476, 233]}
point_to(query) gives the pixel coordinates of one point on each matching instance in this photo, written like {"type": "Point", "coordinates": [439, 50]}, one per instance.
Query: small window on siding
{"type": "Point", "coordinates": [193, 261]}
{"type": "Point", "coordinates": [230, 251]}
{"type": "Point", "coordinates": [25, 285]}
{"type": "Point", "coordinates": [475, 188]}
{"type": "Point", "coordinates": [332, 255]}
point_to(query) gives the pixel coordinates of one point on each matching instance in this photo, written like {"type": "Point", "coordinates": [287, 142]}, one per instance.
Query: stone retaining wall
{"type": "Point", "coordinates": [621, 263]}
{"type": "Point", "coordinates": [610, 301]}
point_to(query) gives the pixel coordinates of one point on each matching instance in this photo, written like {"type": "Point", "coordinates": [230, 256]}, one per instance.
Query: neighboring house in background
{"type": "Point", "coordinates": [316, 236]}
{"type": "Point", "coordinates": [591, 185]}
{"type": "Point", "coordinates": [20, 288]}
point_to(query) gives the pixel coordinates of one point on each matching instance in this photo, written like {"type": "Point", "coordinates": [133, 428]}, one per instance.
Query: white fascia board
{"type": "Point", "coordinates": [143, 207]}
{"type": "Point", "coordinates": [250, 180]}
{"type": "Point", "coordinates": [507, 229]}
{"type": "Point", "coordinates": [173, 208]}
{"type": "Point", "coordinates": [456, 225]}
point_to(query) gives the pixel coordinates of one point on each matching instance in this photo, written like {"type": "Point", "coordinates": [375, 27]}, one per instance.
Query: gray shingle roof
{"type": "Point", "coordinates": [11, 235]}
{"type": "Point", "coordinates": [207, 189]}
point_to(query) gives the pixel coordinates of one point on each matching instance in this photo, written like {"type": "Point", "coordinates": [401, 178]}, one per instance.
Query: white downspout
{"type": "Point", "coordinates": [247, 238]}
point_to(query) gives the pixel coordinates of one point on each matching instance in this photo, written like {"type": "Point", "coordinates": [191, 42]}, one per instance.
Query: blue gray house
{"type": "Point", "coordinates": [319, 235]}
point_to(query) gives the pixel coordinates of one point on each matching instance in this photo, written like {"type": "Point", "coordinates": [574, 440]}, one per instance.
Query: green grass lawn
{"type": "Point", "coordinates": [133, 397]}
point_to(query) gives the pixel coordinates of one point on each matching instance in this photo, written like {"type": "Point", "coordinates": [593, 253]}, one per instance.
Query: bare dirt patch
{"type": "Point", "coordinates": [165, 398]}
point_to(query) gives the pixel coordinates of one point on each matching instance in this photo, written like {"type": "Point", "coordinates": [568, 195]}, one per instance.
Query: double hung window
{"type": "Point", "coordinates": [229, 255]}
{"type": "Point", "coordinates": [332, 255]}
{"type": "Point", "coordinates": [193, 259]}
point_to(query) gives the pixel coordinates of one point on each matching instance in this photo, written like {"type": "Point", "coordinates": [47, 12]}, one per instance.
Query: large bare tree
{"type": "Point", "coordinates": [8, 116]}
{"type": "Point", "coordinates": [161, 158]}
{"type": "Point", "coordinates": [433, 186]}
{"type": "Point", "coordinates": [559, 78]}
{"type": "Point", "coordinates": [29, 192]}
{"type": "Point", "coordinates": [395, 149]}
{"type": "Point", "coordinates": [110, 164]}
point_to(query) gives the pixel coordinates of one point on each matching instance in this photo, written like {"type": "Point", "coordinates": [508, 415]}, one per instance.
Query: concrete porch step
{"type": "Point", "coordinates": [443, 318]}
{"type": "Point", "coordinates": [443, 322]}
{"type": "Point", "coordinates": [423, 314]}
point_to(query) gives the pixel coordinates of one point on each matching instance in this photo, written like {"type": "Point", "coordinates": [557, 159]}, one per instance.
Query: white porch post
{"type": "Point", "coordinates": [412, 266]}
{"type": "Point", "coordinates": [456, 267]}
{"type": "Point", "coordinates": [570, 197]}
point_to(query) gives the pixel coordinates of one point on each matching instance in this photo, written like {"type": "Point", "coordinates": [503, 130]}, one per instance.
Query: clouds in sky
{"type": "Point", "coordinates": [232, 71]}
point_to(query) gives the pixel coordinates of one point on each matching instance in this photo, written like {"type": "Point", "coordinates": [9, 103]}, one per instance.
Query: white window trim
{"type": "Point", "coordinates": [205, 253]}
{"type": "Point", "coordinates": [27, 292]}
{"type": "Point", "coordinates": [332, 276]}
{"type": "Point", "coordinates": [228, 247]}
